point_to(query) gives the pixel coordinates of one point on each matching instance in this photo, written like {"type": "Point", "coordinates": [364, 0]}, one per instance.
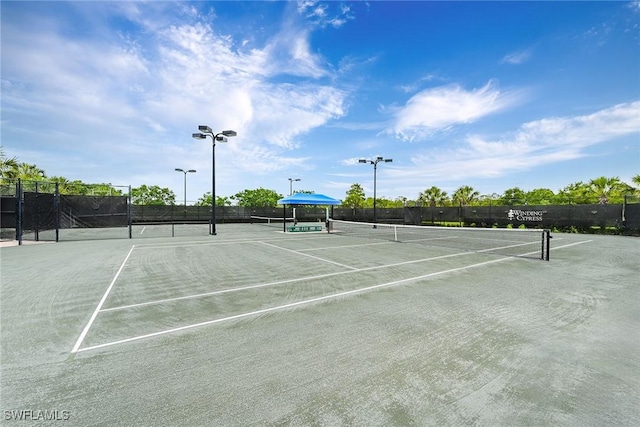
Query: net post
{"type": "Point", "coordinates": [546, 241]}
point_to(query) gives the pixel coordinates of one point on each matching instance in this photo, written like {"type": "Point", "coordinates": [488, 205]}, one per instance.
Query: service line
{"type": "Point", "coordinates": [290, 305]}
{"type": "Point", "coordinates": [284, 282]}
{"type": "Point", "coordinates": [285, 306]}
{"type": "Point", "coordinates": [76, 347]}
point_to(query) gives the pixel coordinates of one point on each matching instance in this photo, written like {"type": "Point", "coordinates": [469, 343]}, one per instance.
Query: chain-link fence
{"type": "Point", "coordinates": [631, 213]}
{"type": "Point", "coordinates": [33, 210]}
{"type": "Point", "coordinates": [179, 213]}
{"type": "Point", "coordinates": [36, 210]}
{"type": "Point", "coordinates": [614, 218]}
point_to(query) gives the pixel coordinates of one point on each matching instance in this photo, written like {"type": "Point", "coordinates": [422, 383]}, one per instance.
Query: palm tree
{"type": "Point", "coordinates": [433, 196]}
{"type": "Point", "coordinates": [8, 167]}
{"type": "Point", "coordinates": [604, 188]}
{"type": "Point", "coordinates": [29, 172]}
{"type": "Point", "coordinates": [465, 195]}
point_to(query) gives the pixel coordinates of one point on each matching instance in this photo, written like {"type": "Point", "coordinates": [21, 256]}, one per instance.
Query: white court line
{"type": "Point", "coordinates": [309, 301]}
{"type": "Point", "coordinates": [193, 244]}
{"type": "Point", "coordinates": [310, 256]}
{"type": "Point", "coordinates": [306, 278]}
{"type": "Point", "coordinates": [283, 282]}
{"type": "Point", "coordinates": [386, 242]}
{"type": "Point", "coordinates": [570, 244]}
{"type": "Point", "coordinates": [142, 231]}
{"type": "Point", "coordinates": [219, 242]}
{"type": "Point", "coordinates": [104, 298]}
{"type": "Point", "coordinates": [347, 246]}
{"type": "Point", "coordinates": [293, 304]}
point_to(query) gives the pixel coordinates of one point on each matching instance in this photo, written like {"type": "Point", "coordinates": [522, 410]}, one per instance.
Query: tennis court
{"type": "Point", "coordinates": [259, 327]}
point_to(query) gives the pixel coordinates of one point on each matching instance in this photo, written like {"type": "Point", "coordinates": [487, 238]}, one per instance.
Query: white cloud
{"type": "Point", "coordinates": [517, 58]}
{"type": "Point", "coordinates": [541, 142]}
{"type": "Point", "coordinates": [289, 53]}
{"type": "Point", "coordinates": [351, 161]}
{"type": "Point", "coordinates": [100, 96]}
{"type": "Point", "coordinates": [412, 87]}
{"type": "Point", "coordinates": [322, 14]}
{"type": "Point", "coordinates": [439, 108]}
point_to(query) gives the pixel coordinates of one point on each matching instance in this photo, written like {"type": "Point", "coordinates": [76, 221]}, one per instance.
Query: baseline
{"type": "Point", "coordinates": [305, 278]}
{"type": "Point", "coordinates": [294, 304]}
{"type": "Point", "coordinates": [284, 282]}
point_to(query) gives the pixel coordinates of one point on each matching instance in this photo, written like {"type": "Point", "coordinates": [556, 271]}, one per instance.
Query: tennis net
{"type": "Point", "coordinates": [274, 221]}
{"type": "Point", "coordinates": [527, 243]}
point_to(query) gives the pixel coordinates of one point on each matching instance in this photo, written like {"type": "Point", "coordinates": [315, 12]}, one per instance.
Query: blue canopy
{"type": "Point", "coordinates": [308, 199]}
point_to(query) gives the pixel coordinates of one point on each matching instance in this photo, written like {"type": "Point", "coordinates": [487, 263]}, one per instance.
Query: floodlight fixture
{"type": "Point", "coordinates": [221, 137]}
{"type": "Point", "coordinates": [185, 172]}
{"type": "Point", "coordinates": [291, 184]}
{"type": "Point", "coordinates": [375, 162]}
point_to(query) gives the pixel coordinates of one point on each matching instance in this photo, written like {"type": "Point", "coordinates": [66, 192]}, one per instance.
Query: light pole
{"type": "Point", "coordinates": [291, 185]}
{"type": "Point", "coordinates": [222, 137]}
{"type": "Point", "coordinates": [185, 184]}
{"type": "Point", "coordinates": [375, 168]}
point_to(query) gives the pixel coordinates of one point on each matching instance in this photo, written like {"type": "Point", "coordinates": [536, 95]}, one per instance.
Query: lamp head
{"type": "Point", "coordinates": [199, 136]}
{"type": "Point", "coordinates": [229, 133]}
{"type": "Point", "coordinates": [221, 138]}
{"type": "Point", "coordinates": [388, 160]}
{"type": "Point", "coordinates": [205, 128]}
{"type": "Point", "coordinates": [191, 171]}
{"type": "Point", "coordinates": [362, 161]}
{"type": "Point", "coordinates": [179, 170]}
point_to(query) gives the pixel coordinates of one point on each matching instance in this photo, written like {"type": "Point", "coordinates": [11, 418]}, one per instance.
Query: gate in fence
{"type": "Point", "coordinates": [35, 210]}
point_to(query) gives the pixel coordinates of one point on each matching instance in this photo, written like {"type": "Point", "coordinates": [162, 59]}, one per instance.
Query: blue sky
{"type": "Point", "coordinates": [488, 94]}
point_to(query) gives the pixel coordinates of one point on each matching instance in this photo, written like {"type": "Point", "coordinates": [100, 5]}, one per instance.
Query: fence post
{"type": "Point", "coordinates": [56, 204]}
{"type": "Point", "coordinates": [129, 213]}
{"type": "Point", "coordinates": [624, 209]}
{"type": "Point", "coordinates": [19, 215]}
{"type": "Point", "coordinates": [37, 214]}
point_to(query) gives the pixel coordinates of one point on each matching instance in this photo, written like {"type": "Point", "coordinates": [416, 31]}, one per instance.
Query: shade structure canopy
{"type": "Point", "coordinates": [308, 199]}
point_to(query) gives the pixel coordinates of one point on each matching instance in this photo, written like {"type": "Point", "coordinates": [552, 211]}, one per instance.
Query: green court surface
{"type": "Point", "coordinates": [258, 327]}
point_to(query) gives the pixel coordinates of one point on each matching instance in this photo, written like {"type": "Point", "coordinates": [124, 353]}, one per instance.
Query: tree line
{"type": "Point", "coordinates": [603, 190]}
